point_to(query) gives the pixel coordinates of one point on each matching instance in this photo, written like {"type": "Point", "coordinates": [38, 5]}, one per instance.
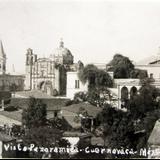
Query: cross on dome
{"type": "Point", "coordinates": [61, 43]}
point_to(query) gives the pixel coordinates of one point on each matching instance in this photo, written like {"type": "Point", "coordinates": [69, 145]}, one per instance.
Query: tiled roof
{"type": "Point", "coordinates": [91, 110]}
{"type": "Point", "coordinates": [52, 103]}
{"type": "Point", "coordinates": [70, 118]}
{"type": "Point", "coordinates": [70, 112]}
{"type": "Point", "coordinates": [7, 119]}
{"type": "Point", "coordinates": [15, 115]}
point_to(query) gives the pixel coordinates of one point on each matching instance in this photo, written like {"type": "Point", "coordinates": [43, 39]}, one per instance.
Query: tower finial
{"type": "Point", "coordinates": [61, 43]}
{"type": "Point", "coordinates": [2, 54]}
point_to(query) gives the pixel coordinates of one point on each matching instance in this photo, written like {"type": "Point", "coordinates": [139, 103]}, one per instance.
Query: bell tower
{"type": "Point", "coordinates": [30, 59]}
{"type": "Point", "coordinates": [2, 59]}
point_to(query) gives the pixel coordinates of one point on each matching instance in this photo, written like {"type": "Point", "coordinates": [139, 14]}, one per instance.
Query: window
{"type": "Point", "coordinates": [76, 83]}
{"type": "Point", "coordinates": [55, 114]}
{"type": "Point", "coordinates": [42, 73]}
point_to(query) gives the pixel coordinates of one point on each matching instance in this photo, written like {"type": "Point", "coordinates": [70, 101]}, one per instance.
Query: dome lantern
{"type": "Point", "coordinates": [61, 43]}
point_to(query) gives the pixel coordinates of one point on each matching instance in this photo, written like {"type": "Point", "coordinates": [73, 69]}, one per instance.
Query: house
{"type": "Point", "coordinates": [76, 113]}
{"type": "Point", "coordinates": [54, 104]}
{"type": "Point", "coordinates": [74, 84]}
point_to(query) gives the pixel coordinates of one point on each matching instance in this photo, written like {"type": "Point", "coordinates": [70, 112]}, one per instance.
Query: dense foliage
{"type": "Point", "coordinates": [95, 76]}
{"type": "Point", "coordinates": [118, 128]}
{"type": "Point", "coordinates": [41, 132]}
{"type": "Point", "coordinates": [144, 102]}
{"type": "Point", "coordinates": [98, 83]}
{"type": "Point", "coordinates": [123, 68]}
{"type": "Point", "coordinates": [35, 114]}
{"type": "Point", "coordinates": [46, 137]}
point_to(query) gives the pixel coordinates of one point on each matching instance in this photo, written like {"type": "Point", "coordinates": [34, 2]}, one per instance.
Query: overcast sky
{"type": "Point", "coordinates": [93, 30]}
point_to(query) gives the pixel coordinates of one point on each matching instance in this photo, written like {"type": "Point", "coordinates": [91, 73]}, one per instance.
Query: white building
{"type": "Point", "coordinates": [74, 85]}
{"type": "Point", "coordinates": [151, 64]}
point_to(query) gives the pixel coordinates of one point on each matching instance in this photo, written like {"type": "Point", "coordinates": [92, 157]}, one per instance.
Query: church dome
{"type": "Point", "coordinates": [61, 50]}
{"type": "Point", "coordinates": [62, 55]}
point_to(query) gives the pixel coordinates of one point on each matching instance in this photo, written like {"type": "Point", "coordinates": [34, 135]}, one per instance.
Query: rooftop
{"type": "Point", "coordinates": [32, 93]}
{"type": "Point", "coordinates": [52, 103]}
{"type": "Point", "coordinates": [148, 60]}
{"type": "Point", "coordinates": [15, 115]}
{"type": "Point", "coordinates": [91, 110]}
{"type": "Point", "coordinates": [6, 138]}
{"type": "Point", "coordinates": [154, 138]}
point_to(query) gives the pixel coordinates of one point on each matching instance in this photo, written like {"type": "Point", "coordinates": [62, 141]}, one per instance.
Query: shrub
{"type": "Point", "coordinates": [69, 102]}
{"type": "Point", "coordinates": [80, 96]}
{"type": "Point", "coordinates": [10, 108]}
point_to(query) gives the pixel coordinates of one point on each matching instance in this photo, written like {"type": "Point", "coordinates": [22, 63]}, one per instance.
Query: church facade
{"type": "Point", "coordinates": [48, 74]}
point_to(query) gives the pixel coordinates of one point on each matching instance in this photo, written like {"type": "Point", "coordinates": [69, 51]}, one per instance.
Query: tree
{"type": "Point", "coordinates": [99, 96]}
{"type": "Point", "coordinates": [88, 73]}
{"type": "Point", "coordinates": [47, 137]}
{"type": "Point", "coordinates": [118, 128]}
{"type": "Point", "coordinates": [40, 133]}
{"type": "Point", "coordinates": [123, 68]}
{"type": "Point", "coordinates": [98, 83]}
{"type": "Point", "coordinates": [144, 102]}
{"type": "Point", "coordinates": [146, 125]}
{"type": "Point", "coordinates": [137, 73]}
{"type": "Point", "coordinates": [35, 114]}
{"type": "Point", "coordinates": [95, 76]}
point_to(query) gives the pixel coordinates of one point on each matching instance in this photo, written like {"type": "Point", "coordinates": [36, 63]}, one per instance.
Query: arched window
{"type": "Point", "coordinates": [133, 91]}
{"type": "Point", "coordinates": [124, 93]}
{"type": "Point", "coordinates": [124, 97]}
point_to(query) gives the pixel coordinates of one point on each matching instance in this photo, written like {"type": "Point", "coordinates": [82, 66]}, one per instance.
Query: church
{"type": "Point", "coordinates": [9, 82]}
{"type": "Point", "coordinates": [49, 74]}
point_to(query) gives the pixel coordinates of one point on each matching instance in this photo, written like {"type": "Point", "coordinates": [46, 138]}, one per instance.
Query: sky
{"type": "Point", "coordinates": [92, 30]}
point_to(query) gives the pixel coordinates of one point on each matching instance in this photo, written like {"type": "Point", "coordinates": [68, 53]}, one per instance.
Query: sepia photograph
{"type": "Point", "coordinates": [79, 79]}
